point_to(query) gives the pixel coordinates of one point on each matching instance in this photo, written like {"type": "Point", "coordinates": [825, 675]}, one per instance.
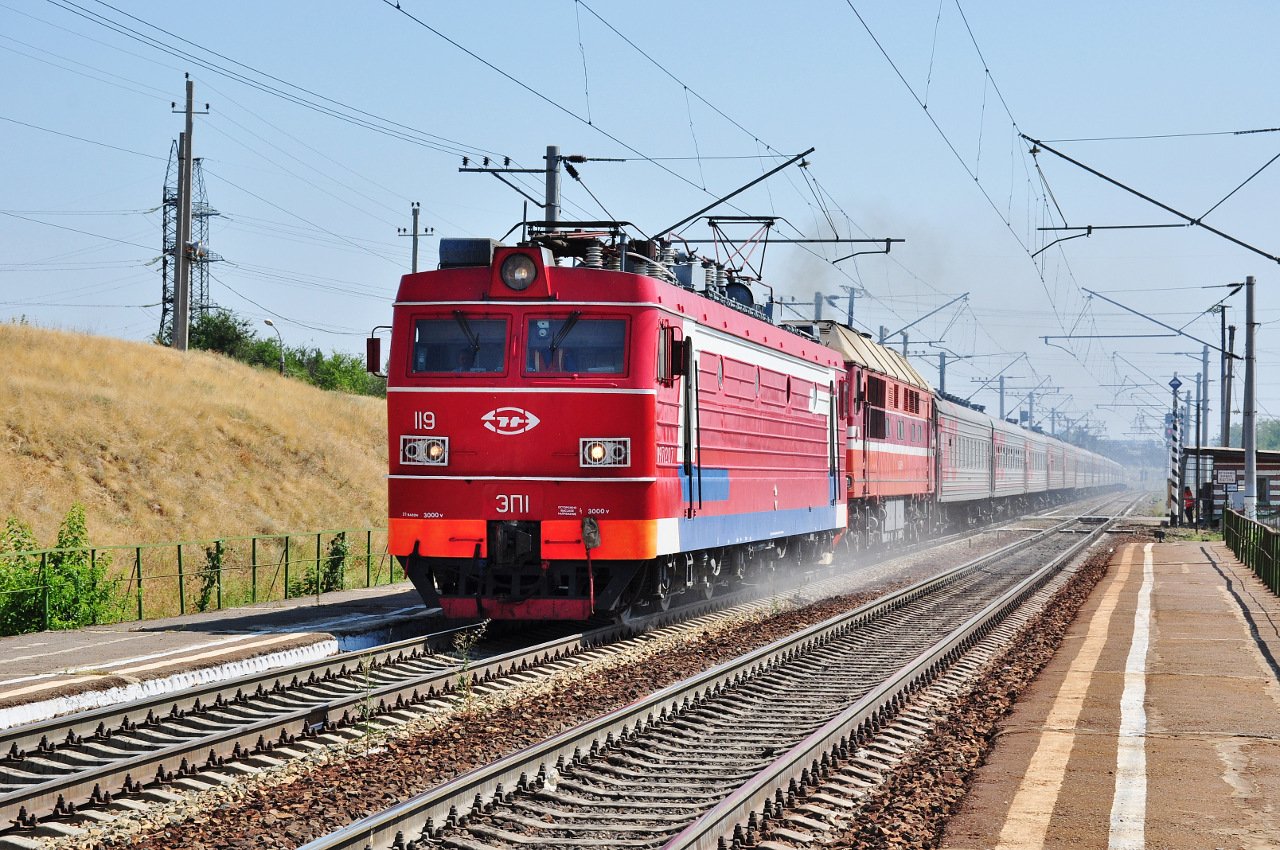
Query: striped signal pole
{"type": "Point", "coordinates": [1174, 495]}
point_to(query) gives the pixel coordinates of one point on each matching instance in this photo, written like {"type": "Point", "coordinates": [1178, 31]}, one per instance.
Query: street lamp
{"type": "Point", "coordinates": [273, 327]}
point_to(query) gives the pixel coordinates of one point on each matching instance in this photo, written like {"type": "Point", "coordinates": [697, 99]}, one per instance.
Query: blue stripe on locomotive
{"type": "Point", "coordinates": [715, 484]}
{"type": "Point", "coordinates": [708, 532]}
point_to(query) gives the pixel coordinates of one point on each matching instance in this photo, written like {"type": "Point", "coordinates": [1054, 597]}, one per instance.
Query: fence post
{"type": "Point", "coordinates": [317, 573]}
{"type": "Point", "coordinates": [217, 546]}
{"type": "Point", "coordinates": [286, 566]}
{"type": "Point", "coordinates": [44, 582]}
{"type": "Point", "coordinates": [182, 588]}
{"type": "Point", "coordinates": [1269, 576]}
{"type": "Point", "coordinates": [137, 561]}
{"type": "Point", "coordinates": [253, 570]}
{"type": "Point", "coordinates": [368, 558]}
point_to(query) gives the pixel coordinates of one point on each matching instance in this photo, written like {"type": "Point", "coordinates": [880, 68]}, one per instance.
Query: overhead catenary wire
{"type": "Point", "coordinates": [301, 96]}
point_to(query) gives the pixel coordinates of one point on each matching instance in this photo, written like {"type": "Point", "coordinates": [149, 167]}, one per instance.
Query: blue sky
{"type": "Point", "coordinates": [699, 98]}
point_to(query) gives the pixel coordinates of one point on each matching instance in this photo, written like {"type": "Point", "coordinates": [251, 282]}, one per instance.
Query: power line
{"type": "Point", "coordinates": [301, 218]}
{"type": "Point", "coordinates": [308, 99]}
{"type": "Point", "coordinates": [77, 230]}
{"type": "Point", "coordinates": [332, 329]}
{"type": "Point", "coordinates": [78, 138]}
{"type": "Point", "coordinates": [1168, 136]}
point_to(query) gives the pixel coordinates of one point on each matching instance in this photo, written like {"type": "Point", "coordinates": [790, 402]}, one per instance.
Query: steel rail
{"type": "Point", "coordinates": [291, 714]}
{"type": "Point", "coordinates": [734, 813]}
{"type": "Point", "coordinates": [451, 802]}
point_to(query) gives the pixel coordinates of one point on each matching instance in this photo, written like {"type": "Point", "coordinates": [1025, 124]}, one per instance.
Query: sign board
{"type": "Point", "coordinates": [1175, 383]}
{"type": "Point", "coordinates": [1225, 476]}
{"type": "Point", "coordinates": [1230, 488]}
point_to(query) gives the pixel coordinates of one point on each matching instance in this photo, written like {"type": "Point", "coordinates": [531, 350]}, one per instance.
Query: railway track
{"type": "Point", "coordinates": [707, 762]}
{"type": "Point", "coordinates": [115, 756]}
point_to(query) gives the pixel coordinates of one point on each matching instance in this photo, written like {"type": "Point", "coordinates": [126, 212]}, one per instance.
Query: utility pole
{"type": "Point", "coordinates": [1202, 435]}
{"type": "Point", "coordinates": [1002, 398]}
{"type": "Point", "coordinates": [1201, 390]}
{"type": "Point", "coordinates": [414, 209]}
{"type": "Point", "coordinates": [904, 343]}
{"type": "Point", "coordinates": [182, 261]}
{"type": "Point", "coordinates": [552, 208]}
{"type": "Point", "coordinates": [1224, 436]}
{"type": "Point", "coordinates": [942, 371]}
{"type": "Point", "coordinates": [182, 293]}
{"type": "Point", "coordinates": [1053, 422]}
{"type": "Point", "coordinates": [1031, 409]}
{"type": "Point", "coordinates": [1250, 440]}
{"type": "Point", "coordinates": [1227, 387]}
{"type": "Point", "coordinates": [817, 306]}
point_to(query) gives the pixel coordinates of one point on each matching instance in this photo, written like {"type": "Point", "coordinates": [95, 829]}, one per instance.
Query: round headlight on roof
{"type": "Point", "coordinates": [518, 272]}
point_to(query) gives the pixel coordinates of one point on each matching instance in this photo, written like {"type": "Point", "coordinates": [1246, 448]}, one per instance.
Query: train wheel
{"type": "Point", "coordinates": [710, 577]}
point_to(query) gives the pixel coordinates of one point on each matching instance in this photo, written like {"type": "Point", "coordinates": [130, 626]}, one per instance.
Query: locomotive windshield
{"type": "Point", "coordinates": [566, 344]}
{"type": "Point", "coordinates": [459, 343]}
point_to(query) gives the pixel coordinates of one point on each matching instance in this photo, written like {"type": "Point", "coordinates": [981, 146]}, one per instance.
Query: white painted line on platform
{"type": "Point", "coordinates": [18, 658]}
{"type": "Point", "coordinates": [109, 665]}
{"type": "Point", "coordinates": [1027, 822]}
{"type": "Point", "coordinates": [1129, 806]}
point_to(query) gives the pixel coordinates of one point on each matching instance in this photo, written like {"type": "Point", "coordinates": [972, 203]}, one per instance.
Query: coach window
{"type": "Point", "coordinates": [572, 344]}
{"type": "Point", "coordinates": [459, 344]}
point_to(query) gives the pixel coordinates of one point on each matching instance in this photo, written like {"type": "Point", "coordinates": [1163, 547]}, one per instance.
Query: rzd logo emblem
{"type": "Point", "coordinates": [509, 420]}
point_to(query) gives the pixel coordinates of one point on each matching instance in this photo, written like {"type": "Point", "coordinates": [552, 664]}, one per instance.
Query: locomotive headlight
{"type": "Point", "coordinates": [424, 451]}
{"type": "Point", "coordinates": [518, 272]}
{"type": "Point", "coordinates": [604, 451]}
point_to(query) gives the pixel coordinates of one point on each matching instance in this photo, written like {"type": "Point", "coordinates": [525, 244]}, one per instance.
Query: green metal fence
{"type": "Point", "coordinates": [40, 589]}
{"type": "Point", "coordinates": [1255, 545]}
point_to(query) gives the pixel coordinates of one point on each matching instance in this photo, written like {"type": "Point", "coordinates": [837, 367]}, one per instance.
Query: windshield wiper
{"type": "Point", "coordinates": [564, 329]}
{"type": "Point", "coordinates": [461, 319]}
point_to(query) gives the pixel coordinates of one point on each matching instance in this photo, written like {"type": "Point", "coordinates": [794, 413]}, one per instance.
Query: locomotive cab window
{"type": "Point", "coordinates": [571, 344]}
{"type": "Point", "coordinates": [459, 344]}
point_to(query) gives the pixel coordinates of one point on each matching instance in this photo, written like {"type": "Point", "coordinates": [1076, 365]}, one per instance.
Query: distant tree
{"type": "Point", "coordinates": [221, 331]}
{"type": "Point", "coordinates": [1268, 432]}
{"type": "Point", "coordinates": [224, 332]}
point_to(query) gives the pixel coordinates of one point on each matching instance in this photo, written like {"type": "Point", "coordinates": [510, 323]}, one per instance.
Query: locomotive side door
{"type": "Point", "coordinates": [691, 422]}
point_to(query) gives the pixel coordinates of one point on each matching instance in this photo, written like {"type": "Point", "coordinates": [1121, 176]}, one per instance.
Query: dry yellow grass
{"type": "Point", "coordinates": [162, 445]}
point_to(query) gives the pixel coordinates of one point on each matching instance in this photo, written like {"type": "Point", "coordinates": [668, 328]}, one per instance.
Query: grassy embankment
{"type": "Point", "coordinates": [163, 446]}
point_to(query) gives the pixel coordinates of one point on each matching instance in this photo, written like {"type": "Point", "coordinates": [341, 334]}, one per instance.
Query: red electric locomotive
{"type": "Point", "coordinates": [582, 425]}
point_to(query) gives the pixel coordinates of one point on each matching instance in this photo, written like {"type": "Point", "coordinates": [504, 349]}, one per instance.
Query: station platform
{"type": "Point", "coordinates": [46, 674]}
{"type": "Point", "coordinates": [1156, 724]}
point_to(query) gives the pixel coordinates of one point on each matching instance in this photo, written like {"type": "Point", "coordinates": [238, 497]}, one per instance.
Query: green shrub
{"type": "Point", "coordinates": [226, 333]}
{"type": "Point", "coordinates": [21, 596]}
{"type": "Point", "coordinates": [210, 575]}
{"type": "Point", "coordinates": [79, 592]}
{"type": "Point", "coordinates": [335, 565]}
